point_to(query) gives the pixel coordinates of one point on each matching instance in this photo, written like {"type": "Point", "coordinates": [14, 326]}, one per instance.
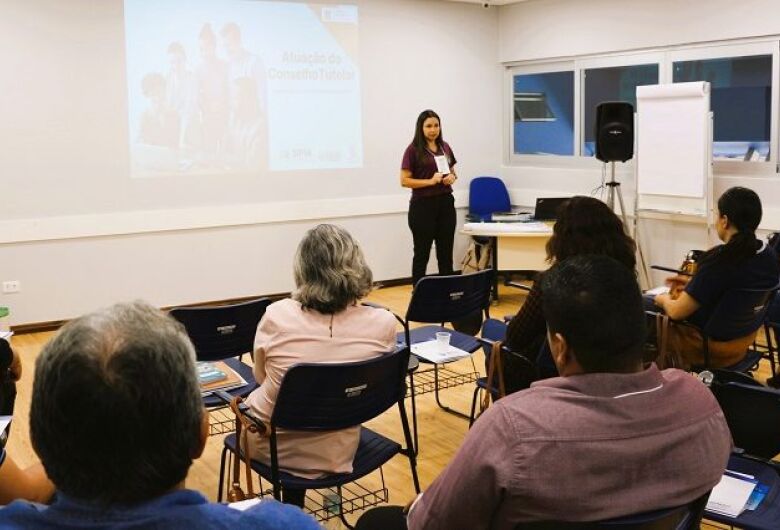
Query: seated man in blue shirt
{"type": "Point", "coordinates": [117, 420]}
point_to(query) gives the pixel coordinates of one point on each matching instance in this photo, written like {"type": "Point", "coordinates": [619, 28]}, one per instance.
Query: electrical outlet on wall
{"type": "Point", "coordinates": [12, 286]}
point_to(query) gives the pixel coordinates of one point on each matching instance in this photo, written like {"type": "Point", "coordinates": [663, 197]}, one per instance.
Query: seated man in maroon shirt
{"type": "Point", "coordinates": [606, 439]}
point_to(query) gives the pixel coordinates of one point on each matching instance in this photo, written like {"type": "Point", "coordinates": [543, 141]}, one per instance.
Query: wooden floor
{"type": "Point", "coordinates": [440, 433]}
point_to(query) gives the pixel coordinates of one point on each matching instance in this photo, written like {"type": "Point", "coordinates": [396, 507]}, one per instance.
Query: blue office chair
{"type": "Point", "coordinates": [319, 397]}
{"type": "Point", "coordinates": [487, 195]}
{"type": "Point", "coordinates": [224, 333]}
{"type": "Point", "coordinates": [494, 330]}
{"type": "Point", "coordinates": [686, 517]}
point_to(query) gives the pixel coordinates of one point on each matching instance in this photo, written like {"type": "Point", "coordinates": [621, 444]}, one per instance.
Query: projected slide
{"type": "Point", "coordinates": [232, 86]}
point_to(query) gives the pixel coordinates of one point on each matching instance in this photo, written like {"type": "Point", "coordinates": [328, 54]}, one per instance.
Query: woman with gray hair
{"type": "Point", "coordinates": [322, 322]}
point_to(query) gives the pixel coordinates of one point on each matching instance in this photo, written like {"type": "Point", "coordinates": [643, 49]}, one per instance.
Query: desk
{"type": "Point", "coordinates": [514, 247]}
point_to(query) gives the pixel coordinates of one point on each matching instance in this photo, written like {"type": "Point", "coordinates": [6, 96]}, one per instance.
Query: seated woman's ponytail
{"type": "Point", "coordinates": [742, 209]}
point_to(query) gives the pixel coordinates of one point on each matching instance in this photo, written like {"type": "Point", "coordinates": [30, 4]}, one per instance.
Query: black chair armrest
{"type": "Point", "coordinates": [223, 396]}
{"type": "Point", "coordinates": [486, 342]}
{"type": "Point", "coordinates": [242, 407]}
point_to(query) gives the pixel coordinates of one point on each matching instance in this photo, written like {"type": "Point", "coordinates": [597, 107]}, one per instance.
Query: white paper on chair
{"type": "Point", "coordinates": [245, 504]}
{"type": "Point", "coordinates": [5, 421]}
{"type": "Point", "coordinates": [730, 496]}
{"type": "Point", "coordinates": [661, 289]}
{"type": "Point", "coordinates": [432, 351]}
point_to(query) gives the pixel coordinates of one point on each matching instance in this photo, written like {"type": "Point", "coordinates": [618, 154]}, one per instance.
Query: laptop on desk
{"type": "Point", "coordinates": [547, 208]}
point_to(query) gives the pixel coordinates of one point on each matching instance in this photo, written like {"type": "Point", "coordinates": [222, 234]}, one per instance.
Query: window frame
{"type": "Point", "coordinates": [634, 59]}
{"type": "Point", "coordinates": [730, 51]}
{"type": "Point", "coordinates": [530, 69]}
{"type": "Point", "coordinates": [665, 57]}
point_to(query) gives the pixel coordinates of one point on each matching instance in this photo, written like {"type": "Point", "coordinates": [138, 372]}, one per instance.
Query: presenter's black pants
{"type": "Point", "coordinates": [432, 219]}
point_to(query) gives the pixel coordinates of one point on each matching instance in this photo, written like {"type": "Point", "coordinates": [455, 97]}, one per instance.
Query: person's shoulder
{"type": "Point", "coordinates": [372, 316]}
{"type": "Point", "coordinates": [281, 315]}
{"type": "Point", "coordinates": [282, 308]}
{"type": "Point", "coordinates": [20, 514]}
{"type": "Point", "coordinates": [690, 391]}
{"type": "Point", "coordinates": [272, 515]}
{"type": "Point", "coordinates": [769, 258]}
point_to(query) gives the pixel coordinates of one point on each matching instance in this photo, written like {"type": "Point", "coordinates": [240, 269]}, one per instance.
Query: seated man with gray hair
{"type": "Point", "coordinates": [117, 420]}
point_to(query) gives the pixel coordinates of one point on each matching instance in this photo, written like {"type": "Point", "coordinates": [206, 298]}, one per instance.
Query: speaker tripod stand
{"type": "Point", "coordinates": [613, 190]}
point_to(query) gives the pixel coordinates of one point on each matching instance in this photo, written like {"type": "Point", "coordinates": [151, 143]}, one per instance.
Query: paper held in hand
{"type": "Point", "coordinates": [435, 352]}
{"type": "Point", "coordinates": [442, 164]}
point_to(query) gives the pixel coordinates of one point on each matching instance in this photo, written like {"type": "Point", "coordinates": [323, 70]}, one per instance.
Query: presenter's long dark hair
{"type": "Point", "coordinates": [742, 208]}
{"type": "Point", "coordinates": [419, 142]}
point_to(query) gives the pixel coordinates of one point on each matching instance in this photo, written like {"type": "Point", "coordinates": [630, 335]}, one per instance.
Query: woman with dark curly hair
{"type": "Point", "coordinates": [585, 226]}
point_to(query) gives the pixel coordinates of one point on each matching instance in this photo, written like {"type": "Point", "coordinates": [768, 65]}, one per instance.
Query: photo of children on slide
{"type": "Point", "coordinates": [267, 85]}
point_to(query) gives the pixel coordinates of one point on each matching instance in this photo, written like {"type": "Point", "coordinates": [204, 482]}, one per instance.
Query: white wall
{"type": "Point", "coordinates": [414, 54]}
{"type": "Point", "coordinates": [549, 29]}
{"type": "Point", "coordinates": [541, 29]}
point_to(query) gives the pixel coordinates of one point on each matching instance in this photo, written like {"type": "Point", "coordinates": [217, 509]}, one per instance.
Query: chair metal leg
{"type": "Point", "coordinates": [410, 453]}
{"type": "Point", "coordinates": [416, 444]}
{"type": "Point", "coordinates": [770, 346]}
{"type": "Point", "coordinates": [222, 473]}
{"type": "Point", "coordinates": [341, 509]}
{"type": "Point", "coordinates": [275, 480]}
{"type": "Point", "coordinates": [473, 415]}
{"type": "Point", "coordinates": [436, 393]}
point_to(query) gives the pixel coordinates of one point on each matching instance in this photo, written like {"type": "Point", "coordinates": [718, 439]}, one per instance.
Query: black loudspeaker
{"type": "Point", "coordinates": [615, 131]}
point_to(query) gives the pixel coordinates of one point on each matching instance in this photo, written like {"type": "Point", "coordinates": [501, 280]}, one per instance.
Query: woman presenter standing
{"type": "Point", "coordinates": [428, 168]}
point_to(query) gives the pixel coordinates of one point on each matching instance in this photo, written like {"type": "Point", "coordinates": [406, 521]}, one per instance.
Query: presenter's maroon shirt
{"type": "Point", "coordinates": [425, 169]}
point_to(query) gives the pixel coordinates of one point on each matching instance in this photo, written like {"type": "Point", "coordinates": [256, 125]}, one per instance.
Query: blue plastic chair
{"type": "Point", "coordinates": [487, 195]}
{"type": "Point", "coordinates": [438, 300]}
{"type": "Point", "coordinates": [686, 517]}
{"type": "Point", "coordinates": [224, 333]}
{"type": "Point", "coordinates": [318, 397]}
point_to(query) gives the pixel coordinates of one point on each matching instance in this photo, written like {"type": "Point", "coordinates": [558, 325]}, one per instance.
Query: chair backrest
{"type": "Point", "coordinates": [773, 240]}
{"type": "Point", "coordinates": [438, 299]}
{"type": "Point", "coordinates": [739, 313]}
{"type": "Point", "coordinates": [686, 517]}
{"type": "Point", "coordinates": [753, 414]}
{"type": "Point", "coordinates": [773, 313]}
{"type": "Point", "coordinates": [488, 195]}
{"type": "Point", "coordinates": [326, 397]}
{"type": "Point", "coordinates": [494, 329]}
{"type": "Point", "coordinates": [221, 332]}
